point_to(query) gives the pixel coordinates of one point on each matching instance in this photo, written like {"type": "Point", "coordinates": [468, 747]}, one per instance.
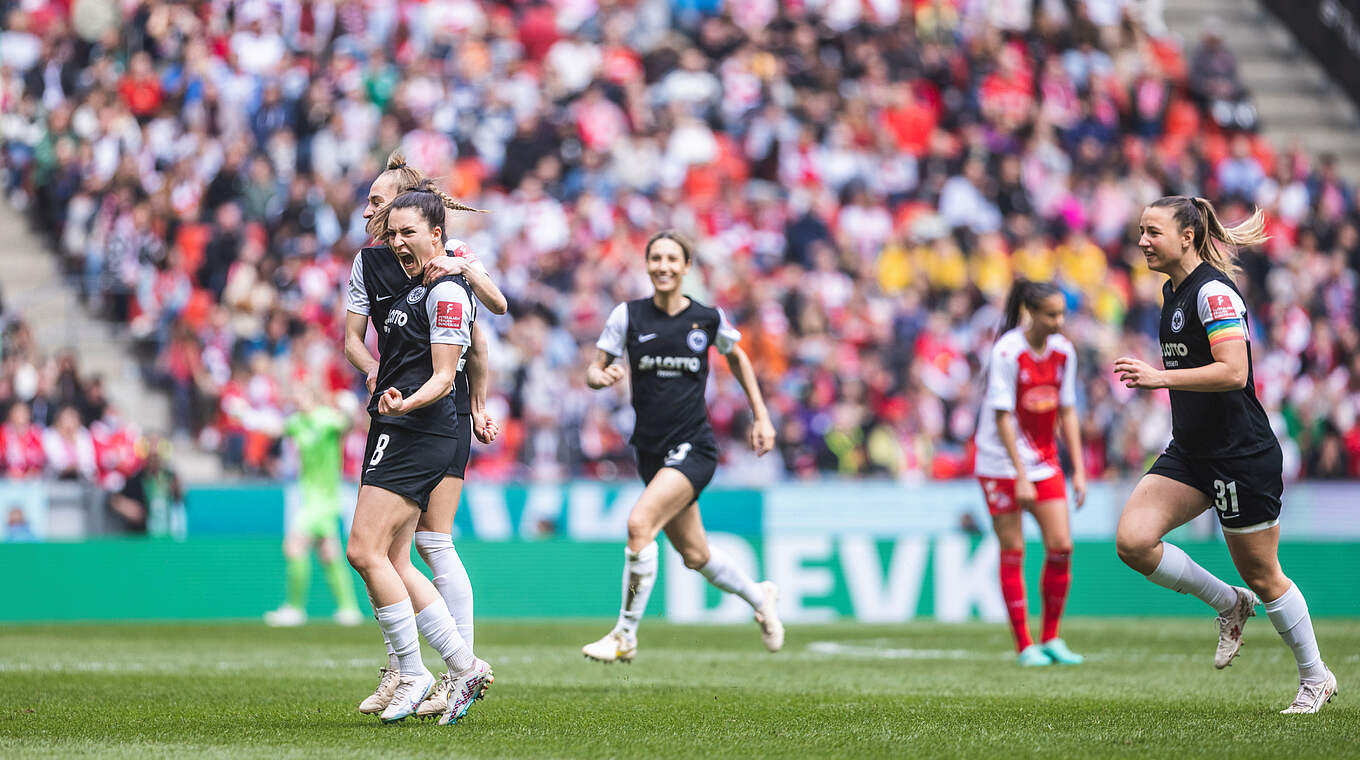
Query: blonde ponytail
{"type": "Point", "coordinates": [406, 178]}
{"type": "Point", "coordinates": [1215, 243]}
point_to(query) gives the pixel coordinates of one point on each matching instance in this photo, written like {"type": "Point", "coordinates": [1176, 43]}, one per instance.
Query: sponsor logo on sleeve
{"type": "Point", "coordinates": [448, 314]}
{"type": "Point", "coordinates": [1221, 307]}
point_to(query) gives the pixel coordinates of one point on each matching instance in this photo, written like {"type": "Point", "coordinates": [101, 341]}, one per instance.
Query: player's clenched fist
{"type": "Point", "coordinates": [391, 403]}
{"type": "Point", "coordinates": [762, 436]}
{"type": "Point", "coordinates": [610, 375]}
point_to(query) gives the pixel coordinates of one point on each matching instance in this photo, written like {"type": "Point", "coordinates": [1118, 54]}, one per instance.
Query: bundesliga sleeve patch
{"type": "Point", "coordinates": [1221, 307]}
{"type": "Point", "coordinates": [448, 314]}
{"type": "Point", "coordinates": [1224, 330]}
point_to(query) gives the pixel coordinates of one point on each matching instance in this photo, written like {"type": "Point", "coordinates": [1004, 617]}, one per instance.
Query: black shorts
{"type": "Point", "coordinates": [460, 458]}
{"type": "Point", "coordinates": [1245, 491]}
{"type": "Point", "coordinates": [697, 461]}
{"type": "Point", "coordinates": [407, 463]}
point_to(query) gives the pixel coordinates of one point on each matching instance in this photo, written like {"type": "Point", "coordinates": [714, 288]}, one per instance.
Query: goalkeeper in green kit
{"type": "Point", "coordinates": [316, 429]}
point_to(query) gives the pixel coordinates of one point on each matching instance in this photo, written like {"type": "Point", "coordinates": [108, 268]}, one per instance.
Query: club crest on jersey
{"type": "Point", "coordinates": [1177, 320]}
{"type": "Point", "coordinates": [697, 340]}
{"type": "Point", "coordinates": [417, 293]}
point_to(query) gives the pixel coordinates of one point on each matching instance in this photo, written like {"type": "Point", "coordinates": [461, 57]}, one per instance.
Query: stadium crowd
{"type": "Point", "coordinates": [863, 179]}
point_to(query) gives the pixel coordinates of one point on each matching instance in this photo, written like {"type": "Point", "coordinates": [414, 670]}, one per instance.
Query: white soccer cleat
{"type": "Point", "coordinates": [286, 616]}
{"type": "Point", "coordinates": [348, 618]}
{"type": "Point", "coordinates": [1312, 696]}
{"type": "Point", "coordinates": [771, 628]}
{"type": "Point", "coordinates": [614, 647]}
{"type": "Point", "coordinates": [466, 689]}
{"type": "Point", "coordinates": [410, 692]}
{"type": "Point", "coordinates": [1230, 627]}
{"type": "Point", "coordinates": [382, 696]}
{"type": "Point", "coordinates": [438, 700]}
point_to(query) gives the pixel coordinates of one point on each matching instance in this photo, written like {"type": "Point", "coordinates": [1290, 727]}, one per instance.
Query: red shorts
{"type": "Point", "coordinates": [1000, 492]}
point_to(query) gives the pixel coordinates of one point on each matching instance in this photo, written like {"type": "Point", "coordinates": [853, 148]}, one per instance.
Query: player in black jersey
{"type": "Point", "coordinates": [375, 277]}
{"type": "Point", "coordinates": [412, 442]}
{"type": "Point", "coordinates": [666, 339]}
{"type": "Point", "coordinates": [1223, 453]}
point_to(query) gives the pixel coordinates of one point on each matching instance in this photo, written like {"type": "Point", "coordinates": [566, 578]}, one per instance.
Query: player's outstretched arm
{"type": "Point", "coordinates": [444, 357]}
{"type": "Point", "coordinates": [356, 326]}
{"type": "Point", "coordinates": [603, 372]}
{"type": "Point", "coordinates": [762, 430]}
{"type": "Point", "coordinates": [1228, 372]}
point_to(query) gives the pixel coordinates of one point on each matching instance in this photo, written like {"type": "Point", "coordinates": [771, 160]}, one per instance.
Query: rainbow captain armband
{"type": "Point", "coordinates": [1224, 330]}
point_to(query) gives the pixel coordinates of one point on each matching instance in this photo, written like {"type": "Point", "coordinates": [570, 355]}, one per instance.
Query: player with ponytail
{"type": "Point", "coordinates": [1031, 394]}
{"type": "Point", "coordinates": [1223, 452]}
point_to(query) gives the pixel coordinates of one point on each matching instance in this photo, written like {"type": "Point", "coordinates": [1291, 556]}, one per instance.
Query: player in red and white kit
{"type": "Point", "coordinates": [1031, 387]}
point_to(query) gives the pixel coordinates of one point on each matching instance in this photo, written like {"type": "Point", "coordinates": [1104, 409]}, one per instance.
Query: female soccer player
{"type": "Point", "coordinates": [316, 429]}
{"type": "Point", "coordinates": [1031, 386]}
{"type": "Point", "coordinates": [666, 338]}
{"type": "Point", "coordinates": [1223, 452]}
{"type": "Point", "coordinates": [412, 443]}
{"type": "Point", "coordinates": [375, 277]}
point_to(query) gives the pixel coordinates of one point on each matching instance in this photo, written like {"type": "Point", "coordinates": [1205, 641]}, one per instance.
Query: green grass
{"type": "Point", "coordinates": [1148, 689]}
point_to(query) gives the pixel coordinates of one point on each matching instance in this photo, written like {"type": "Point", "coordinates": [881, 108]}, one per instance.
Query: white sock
{"type": "Point", "coordinates": [436, 625]}
{"type": "Point", "coordinates": [1289, 613]}
{"type": "Point", "coordinates": [1179, 573]}
{"type": "Point", "coordinates": [723, 573]}
{"type": "Point", "coordinates": [450, 578]}
{"type": "Point", "coordinates": [392, 663]}
{"type": "Point", "coordinates": [639, 575]}
{"type": "Point", "coordinates": [398, 623]}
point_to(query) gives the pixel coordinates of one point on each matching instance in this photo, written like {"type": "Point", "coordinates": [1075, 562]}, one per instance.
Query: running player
{"type": "Point", "coordinates": [666, 339]}
{"type": "Point", "coordinates": [1223, 452]}
{"type": "Point", "coordinates": [376, 276]}
{"type": "Point", "coordinates": [1031, 387]}
{"type": "Point", "coordinates": [316, 430]}
{"type": "Point", "coordinates": [412, 443]}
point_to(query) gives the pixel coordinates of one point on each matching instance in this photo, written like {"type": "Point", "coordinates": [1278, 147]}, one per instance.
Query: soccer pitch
{"type": "Point", "coordinates": [1148, 689]}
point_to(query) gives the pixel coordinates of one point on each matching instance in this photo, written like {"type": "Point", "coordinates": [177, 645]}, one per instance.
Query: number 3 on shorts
{"type": "Point", "coordinates": [1225, 497]}
{"type": "Point", "coordinates": [379, 449]}
{"type": "Point", "coordinates": [677, 455]}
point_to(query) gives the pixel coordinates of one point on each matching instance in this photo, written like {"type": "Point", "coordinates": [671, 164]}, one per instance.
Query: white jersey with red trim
{"type": "Point", "coordinates": [1032, 387]}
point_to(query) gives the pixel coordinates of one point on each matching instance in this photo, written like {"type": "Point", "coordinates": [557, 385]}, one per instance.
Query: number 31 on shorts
{"type": "Point", "coordinates": [1225, 497]}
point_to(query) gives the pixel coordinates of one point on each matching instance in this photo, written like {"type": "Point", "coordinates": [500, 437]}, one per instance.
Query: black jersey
{"type": "Point", "coordinates": [375, 279]}
{"type": "Point", "coordinates": [668, 363]}
{"type": "Point", "coordinates": [413, 320]}
{"type": "Point", "coordinates": [1207, 309]}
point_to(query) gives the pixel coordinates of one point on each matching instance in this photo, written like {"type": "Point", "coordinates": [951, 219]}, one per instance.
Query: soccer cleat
{"type": "Point", "coordinates": [1034, 656]}
{"type": "Point", "coordinates": [1057, 651]}
{"type": "Point", "coordinates": [1230, 627]}
{"type": "Point", "coordinates": [382, 696]}
{"type": "Point", "coordinates": [410, 692]}
{"type": "Point", "coordinates": [348, 618]}
{"type": "Point", "coordinates": [466, 689]}
{"type": "Point", "coordinates": [1312, 696]}
{"type": "Point", "coordinates": [286, 616]}
{"type": "Point", "coordinates": [438, 700]}
{"type": "Point", "coordinates": [771, 629]}
{"type": "Point", "coordinates": [614, 647]}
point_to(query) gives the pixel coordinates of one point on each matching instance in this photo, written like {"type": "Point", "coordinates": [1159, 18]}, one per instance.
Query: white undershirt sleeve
{"type": "Point", "coordinates": [613, 340]}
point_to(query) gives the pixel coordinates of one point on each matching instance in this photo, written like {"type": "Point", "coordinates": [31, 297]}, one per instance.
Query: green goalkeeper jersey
{"type": "Point", "coordinates": [317, 434]}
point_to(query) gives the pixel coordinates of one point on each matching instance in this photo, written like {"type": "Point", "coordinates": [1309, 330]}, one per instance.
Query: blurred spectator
{"type": "Point", "coordinates": [17, 528]}
{"type": "Point", "coordinates": [151, 501]}
{"type": "Point", "coordinates": [863, 182]}
{"type": "Point", "coordinates": [70, 448]}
